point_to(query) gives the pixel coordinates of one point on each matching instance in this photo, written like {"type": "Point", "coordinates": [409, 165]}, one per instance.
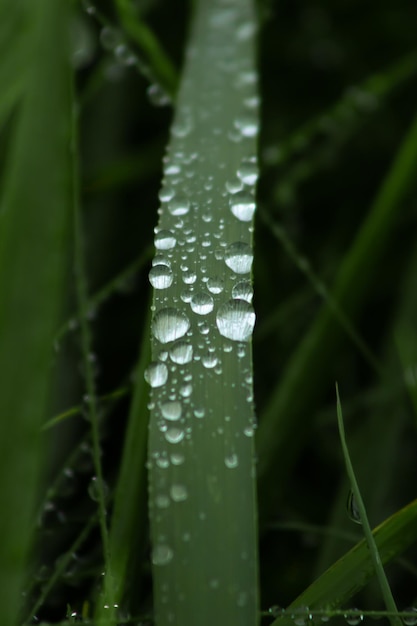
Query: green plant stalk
{"type": "Point", "coordinates": [34, 231]}
{"type": "Point", "coordinates": [201, 452]}
{"type": "Point", "coordinates": [376, 559]}
{"type": "Point", "coordinates": [105, 609]}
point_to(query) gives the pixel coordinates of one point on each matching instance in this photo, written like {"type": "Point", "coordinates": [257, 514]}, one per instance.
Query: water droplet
{"type": "Point", "coordinates": [242, 205]}
{"type": "Point", "coordinates": [174, 435]}
{"type": "Point", "coordinates": [98, 488]}
{"type": "Point", "coordinates": [352, 508]}
{"type": "Point", "coordinates": [177, 459]}
{"type": "Point", "coordinates": [179, 206]}
{"type": "Point", "coordinates": [125, 55]}
{"type": "Point", "coordinates": [161, 259]}
{"type": "Point", "coordinates": [160, 277]}
{"type": "Point", "coordinates": [202, 303]}
{"type": "Point", "coordinates": [233, 186]}
{"type": "Point", "coordinates": [199, 412]}
{"type": "Point", "coordinates": [162, 554]}
{"type": "Point", "coordinates": [110, 38]}
{"type": "Point", "coordinates": [165, 240]}
{"type": "Point", "coordinates": [231, 461]}
{"type": "Point", "coordinates": [301, 615]}
{"type": "Point", "coordinates": [179, 493]}
{"type": "Point", "coordinates": [236, 320]}
{"type": "Point", "coordinates": [169, 324]}
{"type": "Point", "coordinates": [239, 257]}
{"type": "Point", "coordinates": [248, 171]}
{"type": "Point", "coordinates": [247, 124]}
{"type": "Point", "coordinates": [88, 7]}
{"type": "Point", "coordinates": [157, 96]}
{"type": "Point", "coordinates": [243, 291]}
{"type": "Point", "coordinates": [162, 502]}
{"type": "Point", "coordinates": [181, 352]}
{"type": "Point", "coordinates": [209, 361]}
{"type": "Point", "coordinates": [171, 410]}
{"type": "Point", "coordinates": [186, 391]}
{"type": "Point", "coordinates": [411, 620]}
{"type": "Point", "coordinates": [354, 617]}
{"type": "Point", "coordinates": [215, 285]}
{"type": "Point", "coordinates": [189, 278]}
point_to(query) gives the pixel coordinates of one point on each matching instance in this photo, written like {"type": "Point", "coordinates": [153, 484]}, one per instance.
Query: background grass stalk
{"type": "Point", "coordinates": [201, 456]}
{"type": "Point", "coordinates": [34, 225]}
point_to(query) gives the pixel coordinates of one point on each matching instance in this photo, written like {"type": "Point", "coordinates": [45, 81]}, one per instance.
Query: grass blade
{"type": "Point", "coordinates": [363, 520]}
{"type": "Point", "coordinates": [33, 237]}
{"type": "Point", "coordinates": [201, 456]}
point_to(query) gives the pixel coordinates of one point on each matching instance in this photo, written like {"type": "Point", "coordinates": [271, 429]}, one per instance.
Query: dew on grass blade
{"type": "Point", "coordinates": [236, 320]}
{"type": "Point", "coordinates": [165, 240]}
{"type": "Point", "coordinates": [352, 508]}
{"type": "Point", "coordinates": [239, 257]}
{"type": "Point", "coordinates": [202, 303]}
{"type": "Point", "coordinates": [181, 352]}
{"type": "Point", "coordinates": [98, 489]}
{"type": "Point", "coordinates": [160, 277]}
{"type": "Point", "coordinates": [169, 324]}
{"type": "Point", "coordinates": [156, 374]}
{"type": "Point", "coordinates": [162, 554]}
{"type": "Point", "coordinates": [242, 205]}
{"type": "Point", "coordinates": [171, 410]}
{"type": "Point", "coordinates": [179, 493]}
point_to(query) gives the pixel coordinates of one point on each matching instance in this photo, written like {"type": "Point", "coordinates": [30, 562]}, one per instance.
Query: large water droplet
{"type": "Point", "coordinates": [160, 276]}
{"type": "Point", "coordinates": [162, 554]}
{"type": "Point", "coordinates": [242, 205]}
{"type": "Point", "coordinates": [171, 410]}
{"type": "Point", "coordinates": [202, 303]}
{"type": "Point", "coordinates": [236, 320]}
{"type": "Point", "coordinates": [181, 352]}
{"type": "Point", "coordinates": [165, 240]}
{"type": "Point", "coordinates": [239, 257]}
{"type": "Point", "coordinates": [354, 617]}
{"type": "Point", "coordinates": [156, 374]}
{"type": "Point", "coordinates": [169, 324]}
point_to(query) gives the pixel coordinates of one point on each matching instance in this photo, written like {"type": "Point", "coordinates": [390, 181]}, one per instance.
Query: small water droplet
{"type": "Point", "coordinates": [110, 38]}
{"type": "Point", "coordinates": [171, 410]}
{"type": "Point", "coordinates": [174, 435]}
{"type": "Point", "coordinates": [248, 171]}
{"type": "Point", "coordinates": [239, 257]}
{"type": "Point", "coordinates": [178, 493]}
{"type": "Point", "coordinates": [215, 285]}
{"type": "Point", "coordinates": [352, 508]}
{"type": "Point", "coordinates": [247, 124]}
{"type": "Point", "coordinates": [202, 303]}
{"type": "Point", "coordinates": [179, 205]}
{"type": "Point", "coordinates": [165, 240]}
{"type": "Point", "coordinates": [231, 461]}
{"type": "Point", "coordinates": [162, 554]}
{"type": "Point", "coordinates": [209, 361]}
{"type": "Point", "coordinates": [236, 320]}
{"type": "Point", "coordinates": [169, 324]}
{"type": "Point", "coordinates": [199, 412]}
{"type": "Point", "coordinates": [354, 617]}
{"type": "Point", "coordinates": [156, 374]}
{"type": "Point", "coordinates": [162, 502]}
{"type": "Point", "coordinates": [242, 205]}
{"type": "Point", "coordinates": [160, 277]}
{"type": "Point", "coordinates": [157, 95]}
{"type": "Point", "coordinates": [97, 488]}
{"type": "Point", "coordinates": [177, 459]}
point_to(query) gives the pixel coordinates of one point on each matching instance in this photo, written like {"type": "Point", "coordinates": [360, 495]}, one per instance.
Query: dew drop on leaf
{"type": "Point", "coordinates": [169, 324]}
{"type": "Point", "coordinates": [236, 320]}
{"type": "Point", "coordinates": [156, 374]}
{"type": "Point", "coordinates": [239, 257]}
